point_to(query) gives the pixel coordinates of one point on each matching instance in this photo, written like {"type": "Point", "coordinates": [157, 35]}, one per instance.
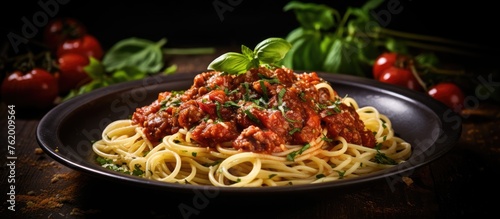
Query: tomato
{"type": "Point", "coordinates": [36, 88]}
{"type": "Point", "coordinates": [59, 30]}
{"type": "Point", "coordinates": [383, 61]}
{"type": "Point", "coordinates": [86, 45]}
{"type": "Point", "coordinates": [399, 76]}
{"type": "Point", "coordinates": [449, 94]}
{"type": "Point", "coordinates": [388, 59]}
{"type": "Point", "coordinates": [71, 72]}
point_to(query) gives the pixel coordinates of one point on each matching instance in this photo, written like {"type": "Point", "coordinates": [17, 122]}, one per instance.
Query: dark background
{"type": "Point", "coordinates": [196, 23]}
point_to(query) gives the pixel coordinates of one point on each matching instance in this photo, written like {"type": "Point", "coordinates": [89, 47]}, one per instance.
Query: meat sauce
{"type": "Point", "coordinates": [259, 111]}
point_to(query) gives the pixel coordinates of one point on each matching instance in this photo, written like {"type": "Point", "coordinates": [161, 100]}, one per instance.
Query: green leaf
{"type": "Point", "coordinates": [269, 51]}
{"type": "Point", "coordinates": [127, 74]}
{"type": "Point", "coordinates": [247, 52]}
{"type": "Point", "coordinates": [170, 70]}
{"type": "Point", "coordinates": [396, 46]}
{"type": "Point", "coordinates": [296, 34]}
{"type": "Point", "coordinates": [95, 69]}
{"type": "Point", "coordinates": [85, 89]}
{"type": "Point", "coordinates": [343, 58]}
{"type": "Point", "coordinates": [312, 16]}
{"type": "Point", "coordinates": [361, 28]}
{"type": "Point", "coordinates": [427, 59]}
{"type": "Point", "coordinates": [370, 5]}
{"type": "Point", "coordinates": [145, 55]}
{"type": "Point", "coordinates": [360, 14]}
{"type": "Point", "coordinates": [272, 50]}
{"type": "Point", "coordinates": [231, 62]}
{"type": "Point", "coordinates": [306, 52]}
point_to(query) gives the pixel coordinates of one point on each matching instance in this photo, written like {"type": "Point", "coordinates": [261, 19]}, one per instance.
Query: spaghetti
{"type": "Point", "coordinates": [267, 127]}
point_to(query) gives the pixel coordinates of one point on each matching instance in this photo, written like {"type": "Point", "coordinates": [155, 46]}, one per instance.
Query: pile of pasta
{"type": "Point", "coordinates": [178, 159]}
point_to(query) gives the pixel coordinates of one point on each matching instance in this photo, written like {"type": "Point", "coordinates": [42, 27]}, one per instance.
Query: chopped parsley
{"type": "Point", "coordinates": [137, 170]}
{"type": "Point", "coordinates": [326, 139]}
{"type": "Point", "coordinates": [291, 132]}
{"type": "Point", "coordinates": [341, 173]}
{"type": "Point", "coordinates": [281, 94]}
{"type": "Point", "coordinates": [381, 158]}
{"type": "Point", "coordinates": [231, 104]}
{"type": "Point", "coordinates": [212, 164]}
{"type": "Point", "coordinates": [264, 89]}
{"type": "Point", "coordinates": [291, 156]}
{"type": "Point", "coordinates": [108, 164]}
{"type": "Point", "coordinates": [251, 116]}
{"type": "Point", "coordinates": [302, 96]}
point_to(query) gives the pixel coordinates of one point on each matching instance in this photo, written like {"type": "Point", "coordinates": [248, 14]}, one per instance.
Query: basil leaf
{"type": "Point", "coordinates": [313, 16]}
{"type": "Point", "coordinates": [145, 55]}
{"type": "Point", "coordinates": [272, 50]}
{"type": "Point", "coordinates": [371, 4]}
{"type": "Point", "coordinates": [343, 58]}
{"type": "Point", "coordinates": [269, 51]}
{"type": "Point", "coordinates": [397, 46]}
{"type": "Point", "coordinates": [231, 62]}
{"type": "Point", "coordinates": [368, 51]}
{"type": "Point", "coordinates": [427, 59]}
{"type": "Point", "coordinates": [95, 69]}
{"type": "Point", "coordinates": [305, 53]}
{"type": "Point", "coordinates": [127, 74]}
{"type": "Point", "coordinates": [247, 52]}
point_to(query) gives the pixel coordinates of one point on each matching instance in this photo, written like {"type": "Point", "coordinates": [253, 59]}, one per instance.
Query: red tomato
{"type": "Point", "coordinates": [384, 61]}
{"type": "Point", "coordinates": [449, 94]}
{"type": "Point", "coordinates": [86, 45]}
{"type": "Point", "coordinates": [71, 73]}
{"type": "Point", "coordinates": [34, 89]}
{"type": "Point", "coordinates": [59, 30]}
{"type": "Point", "coordinates": [388, 59]}
{"type": "Point", "coordinates": [399, 76]}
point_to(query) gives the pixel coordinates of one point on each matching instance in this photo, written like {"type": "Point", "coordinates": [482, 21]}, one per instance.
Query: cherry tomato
{"type": "Point", "coordinates": [449, 94]}
{"type": "Point", "coordinates": [388, 59]}
{"type": "Point", "coordinates": [71, 72]}
{"type": "Point", "coordinates": [86, 45]}
{"type": "Point", "coordinates": [59, 30]}
{"type": "Point", "coordinates": [36, 88]}
{"type": "Point", "coordinates": [399, 76]}
{"type": "Point", "coordinates": [383, 61]}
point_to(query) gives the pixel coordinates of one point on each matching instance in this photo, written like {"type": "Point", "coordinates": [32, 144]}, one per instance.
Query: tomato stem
{"type": "Point", "coordinates": [421, 37]}
{"type": "Point", "coordinates": [414, 71]}
{"type": "Point", "coordinates": [427, 46]}
{"type": "Point", "coordinates": [445, 71]}
{"type": "Point", "coordinates": [440, 48]}
{"type": "Point", "coordinates": [189, 51]}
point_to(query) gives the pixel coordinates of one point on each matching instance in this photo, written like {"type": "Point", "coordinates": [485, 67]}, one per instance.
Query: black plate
{"type": "Point", "coordinates": [65, 133]}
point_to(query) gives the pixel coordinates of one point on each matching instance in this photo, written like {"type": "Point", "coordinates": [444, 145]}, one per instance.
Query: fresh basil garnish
{"type": "Point", "coordinates": [270, 51]}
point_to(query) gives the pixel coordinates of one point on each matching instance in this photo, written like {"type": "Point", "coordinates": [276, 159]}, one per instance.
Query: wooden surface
{"type": "Point", "coordinates": [463, 182]}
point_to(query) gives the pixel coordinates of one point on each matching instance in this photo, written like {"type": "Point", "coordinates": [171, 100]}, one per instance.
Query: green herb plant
{"type": "Point", "coordinates": [349, 43]}
{"type": "Point", "coordinates": [131, 59]}
{"type": "Point", "coordinates": [324, 41]}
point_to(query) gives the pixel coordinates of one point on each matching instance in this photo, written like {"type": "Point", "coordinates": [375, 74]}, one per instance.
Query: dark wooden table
{"type": "Point", "coordinates": [462, 183]}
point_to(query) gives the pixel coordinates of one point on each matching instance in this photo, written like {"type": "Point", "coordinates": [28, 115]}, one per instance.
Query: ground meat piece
{"type": "Point", "coordinates": [189, 113]}
{"type": "Point", "coordinates": [158, 125]}
{"type": "Point", "coordinates": [310, 130]}
{"type": "Point", "coordinates": [210, 133]}
{"type": "Point", "coordinates": [257, 140]}
{"type": "Point", "coordinates": [348, 125]}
